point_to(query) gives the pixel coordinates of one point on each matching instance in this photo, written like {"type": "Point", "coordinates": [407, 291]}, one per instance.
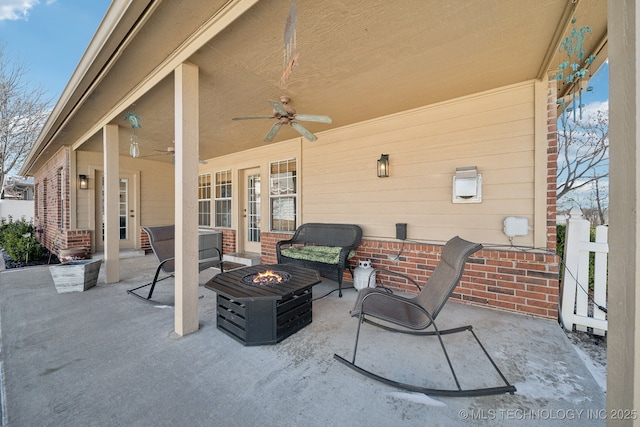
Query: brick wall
{"type": "Point", "coordinates": [268, 242]}
{"type": "Point", "coordinates": [507, 279]}
{"type": "Point", "coordinates": [52, 209]}
{"type": "Point", "coordinates": [144, 242]}
{"type": "Point", "coordinates": [228, 240]}
{"type": "Point", "coordinates": [512, 280]}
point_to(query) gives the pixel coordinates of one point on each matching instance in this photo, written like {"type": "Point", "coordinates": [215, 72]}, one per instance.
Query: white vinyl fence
{"type": "Point", "coordinates": [16, 209]}
{"type": "Point", "coordinates": [579, 306]}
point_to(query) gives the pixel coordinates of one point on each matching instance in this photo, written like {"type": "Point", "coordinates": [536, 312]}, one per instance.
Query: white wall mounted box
{"type": "Point", "coordinates": [516, 226]}
{"type": "Point", "coordinates": [467, 185]}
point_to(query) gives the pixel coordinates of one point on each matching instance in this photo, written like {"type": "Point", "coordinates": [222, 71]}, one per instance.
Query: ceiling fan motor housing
{"type": "Point", "coordinates": [285, 115]}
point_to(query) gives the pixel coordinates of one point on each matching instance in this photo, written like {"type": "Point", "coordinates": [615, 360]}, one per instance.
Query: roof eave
{"type": "Point", "coordinates": [83, 73]}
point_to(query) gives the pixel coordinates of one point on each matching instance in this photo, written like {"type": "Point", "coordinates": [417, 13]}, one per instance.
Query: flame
{"type": "Point", "coordinates": [268, 276]}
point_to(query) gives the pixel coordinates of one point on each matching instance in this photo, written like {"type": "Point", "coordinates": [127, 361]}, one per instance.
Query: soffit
{"type": "Point", "coordinates": [359, 59]}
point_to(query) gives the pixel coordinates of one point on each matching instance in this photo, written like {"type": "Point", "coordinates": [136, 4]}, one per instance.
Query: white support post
{"type": "Point", "coordinates": [111, 203]}
{"type": "Point", "coordinates": [186, 198]}
{"type": "Point", "coordinates": [623, 339]}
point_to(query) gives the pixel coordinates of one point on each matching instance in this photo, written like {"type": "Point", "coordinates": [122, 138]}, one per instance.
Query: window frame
{"type": "Point", "coordinates": [223, 194]}
{"type": "Point", "coordinates": [280, 192]}
{"type": "Point", "coordinates": [204, 199]}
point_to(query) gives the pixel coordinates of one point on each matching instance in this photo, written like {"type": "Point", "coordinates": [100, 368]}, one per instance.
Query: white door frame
{"type": "Point", "coordinates": [250, 218]}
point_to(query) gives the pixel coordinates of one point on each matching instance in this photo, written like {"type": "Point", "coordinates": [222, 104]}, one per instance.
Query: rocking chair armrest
{"type": "Point", "coordinates": [388, 316]}
{"type": "Point", "coordinates": [404, 276]}
{"type": "Point", "coordinates": [164, 261]}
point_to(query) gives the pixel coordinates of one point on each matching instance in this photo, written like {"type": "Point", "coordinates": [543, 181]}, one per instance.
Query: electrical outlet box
{"type": "Point", "coordinates": [516, 226]}
{"type": "Point", "coordinates": [401, 231]}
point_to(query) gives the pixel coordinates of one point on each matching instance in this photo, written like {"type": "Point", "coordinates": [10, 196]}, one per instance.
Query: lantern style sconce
{"type": "Point", "coordinates": [383, 166]}
{"type": "Point", "coordinates": [83, 182]}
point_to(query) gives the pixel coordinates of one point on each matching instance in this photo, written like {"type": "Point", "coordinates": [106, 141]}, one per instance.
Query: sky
{"type": "Point", "coordinates": [600, 83]}
{"type": "Point", "coordinates": [49, 37]}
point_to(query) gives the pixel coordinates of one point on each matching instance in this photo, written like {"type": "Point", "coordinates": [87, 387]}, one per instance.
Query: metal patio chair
{"type": "Point", "coordinates": [162, 241]}
{"type": "Point", "coordinates": [414, 315]}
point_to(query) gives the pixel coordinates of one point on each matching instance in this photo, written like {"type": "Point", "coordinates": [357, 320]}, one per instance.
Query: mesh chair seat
{"type": "Point", "coordinates": [417, 315]}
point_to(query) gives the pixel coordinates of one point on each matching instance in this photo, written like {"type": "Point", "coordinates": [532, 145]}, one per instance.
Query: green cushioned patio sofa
{"type": "Point", "coordinates": [325, 248]}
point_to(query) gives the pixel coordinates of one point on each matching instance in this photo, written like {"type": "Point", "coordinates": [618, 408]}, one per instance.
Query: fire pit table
{"type": "Point", "coordinates": [263, 304]}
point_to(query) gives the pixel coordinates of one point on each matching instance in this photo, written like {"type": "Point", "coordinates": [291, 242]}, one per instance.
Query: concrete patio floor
{"type": "Point", "coordinates": [105, 358]}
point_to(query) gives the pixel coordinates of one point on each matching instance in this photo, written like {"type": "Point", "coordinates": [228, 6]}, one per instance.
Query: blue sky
{"type": "Point", "coordinates": [600, 84]}
{"type": "Point", "coordinates": [50, 37]}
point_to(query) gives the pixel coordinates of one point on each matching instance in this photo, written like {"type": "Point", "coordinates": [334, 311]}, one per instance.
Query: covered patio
{"type": "Point", "coordinates": [102, 357]}
{"type": "Point", "coordinates": [228, 58]}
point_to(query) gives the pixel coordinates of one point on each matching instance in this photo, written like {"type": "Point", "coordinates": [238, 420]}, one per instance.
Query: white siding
{"type": "Point", "coordinates": [156, 196]}
{"type": "Point", "coordinates": [337, 181]}
{"type": "Point", "coordinates": [493, 131]}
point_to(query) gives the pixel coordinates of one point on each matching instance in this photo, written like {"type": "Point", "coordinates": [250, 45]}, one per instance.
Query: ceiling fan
{"type": "Point", "coordinates": [284, 115]}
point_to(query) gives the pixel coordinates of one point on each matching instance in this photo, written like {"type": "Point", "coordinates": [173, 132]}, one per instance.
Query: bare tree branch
{"type": "Point", "coordinates": [23, 111]}
{"type": "Point", "coordinates": [583, 153]}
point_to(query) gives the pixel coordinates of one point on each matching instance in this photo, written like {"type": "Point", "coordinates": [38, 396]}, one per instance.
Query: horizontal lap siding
{"type": "Point", "coordinates": [156, 189]}
{"type": "Point", "coordinates": [157, 194]}
{"type": "Point", "coordinates": [493, 131]}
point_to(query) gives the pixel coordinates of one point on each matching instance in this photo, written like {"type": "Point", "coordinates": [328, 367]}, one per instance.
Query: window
{"type": "Point", "coordinates": [123, 207]}
{"type": "Point", "coordinates": [223, 199]}
{"type": "Point", "coordinates": [204, 200]}
{"type": "Point", "coordinates": [282, 195]}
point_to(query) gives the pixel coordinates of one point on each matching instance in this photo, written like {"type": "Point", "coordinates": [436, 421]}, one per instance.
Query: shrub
{"type": "Point", "coordinates": [18, 240]}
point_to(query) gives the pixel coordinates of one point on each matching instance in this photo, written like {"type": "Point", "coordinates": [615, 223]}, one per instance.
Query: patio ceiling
{"type": "Point", "coordinates": [359, 59]}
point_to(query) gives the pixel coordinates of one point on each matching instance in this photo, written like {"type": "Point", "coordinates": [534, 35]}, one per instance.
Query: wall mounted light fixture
{"type": "Point", "coordinates": [83, 182]}
{"type": "Point", "coordinates": [383, 166]}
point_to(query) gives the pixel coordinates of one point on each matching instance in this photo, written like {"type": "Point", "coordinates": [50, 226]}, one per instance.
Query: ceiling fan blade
{"type": "Point", "coordinates": [303, 131]}
{"type": "Point", "coordinates": [313, 118]}
{"type": "Point", "coordinates": [279, 107]}
{"type": "Point", "coordinates": [272, 132]}
{"type": "Point", "coordinates": [252, 118]}
{"type": "Point", "coordinates": [154, 155]}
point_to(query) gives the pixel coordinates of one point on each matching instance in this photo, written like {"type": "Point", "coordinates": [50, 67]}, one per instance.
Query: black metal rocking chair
{"type": "Point", "coordinates": [162, 241]}
{"type": "Point", "coordinates": [415, 314]}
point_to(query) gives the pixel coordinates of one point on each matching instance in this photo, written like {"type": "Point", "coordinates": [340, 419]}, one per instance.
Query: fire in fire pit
{"type": "Point", "coordinates": [268, 277]}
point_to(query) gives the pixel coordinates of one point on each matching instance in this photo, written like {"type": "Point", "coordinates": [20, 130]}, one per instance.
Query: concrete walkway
{"type": "Point", "coordinates": [105, 358]}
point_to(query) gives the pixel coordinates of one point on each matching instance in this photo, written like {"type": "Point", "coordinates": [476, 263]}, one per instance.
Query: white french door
{"type": "Point", "coordinates": [251, 219]}
{"type": "Point", "coordinates": [126, 211]}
